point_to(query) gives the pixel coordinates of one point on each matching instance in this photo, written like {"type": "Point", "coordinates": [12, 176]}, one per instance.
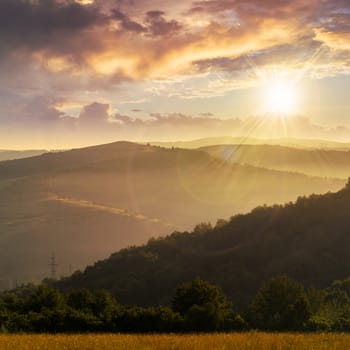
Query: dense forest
{"type": "Point", "coordinates": [281, 304]}
{"type": "Point", "coordinates": [308, 240]}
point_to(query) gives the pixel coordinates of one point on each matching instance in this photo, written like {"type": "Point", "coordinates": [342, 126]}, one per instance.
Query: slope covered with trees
{"type": "Point", "coordinates": [309, 240]}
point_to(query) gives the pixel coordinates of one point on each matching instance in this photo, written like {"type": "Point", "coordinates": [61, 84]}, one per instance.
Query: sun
{"type": "Point", "coordinates": [280, 96]}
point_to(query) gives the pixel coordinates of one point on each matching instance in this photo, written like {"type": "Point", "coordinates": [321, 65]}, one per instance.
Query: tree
{"type": "Point", "coordinates": [347, 186]}
{"type": "Point", "coordinates": [103, 304]}
{"type": "Point", "coordinates": [45, 298]}
{"type": "Point", "coordinates": [80, 299]}
{"type": "Point", "coordinates": [203, 305]}
{"type": "Point", "coordinates": [280, 305]}
{"type": "Point", "coordinates": [203, 227]}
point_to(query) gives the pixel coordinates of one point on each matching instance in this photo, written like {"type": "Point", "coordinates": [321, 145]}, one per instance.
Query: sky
{"type": "Point", "coordinates": [82, 72]}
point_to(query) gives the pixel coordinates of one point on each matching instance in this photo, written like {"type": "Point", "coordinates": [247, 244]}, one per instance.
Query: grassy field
{"type": "Point", "coordinates": [243, 341]}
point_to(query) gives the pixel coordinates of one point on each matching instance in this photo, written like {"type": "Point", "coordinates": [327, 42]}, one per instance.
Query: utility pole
{"type": "Point", "coordinates": [53, 266]}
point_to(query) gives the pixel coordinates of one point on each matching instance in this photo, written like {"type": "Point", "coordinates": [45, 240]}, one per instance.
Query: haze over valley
{"type": "Point", "coordinates": [87, 203]}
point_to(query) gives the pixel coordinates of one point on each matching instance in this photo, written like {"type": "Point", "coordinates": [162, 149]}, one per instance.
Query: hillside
{"type": "Point", "coordinates": [11, 154]}
{"type": "Point", "coordinates": [313, 162]}
{"type": "Point", "coordinates": [309, 240]}
{"type": "Point", "coordinates": [86, 203]}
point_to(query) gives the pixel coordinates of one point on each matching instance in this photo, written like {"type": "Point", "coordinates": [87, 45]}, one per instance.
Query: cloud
{"type": "Point", "coordinates": [114, 41]}
{"type": "Point", "coordinates": [95, 112]}
{"type": "Point", "coordinates": [126, 23]}
{"type": "Point", "coordinates": [96, 122]}
{"type": "Point", "coordinates": [283, 54]}
{"type": "Point", "coordinates": [39, 24]}
{"type": "Point", "coordinates": [318, 41]}
{"type": "Point", "coordinates": [175, 126]}
{"type": "Point", "coordinates": [91, 49]}
{"type": "Point", "coordinates": [159, 26]}
{"type": "Point", "coordinates": [42, 109]}
{"type": "Point", "coordinates": [48, 113]}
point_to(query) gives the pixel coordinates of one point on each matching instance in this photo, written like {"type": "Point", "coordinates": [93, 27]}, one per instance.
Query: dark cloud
{"type": "Point", "coordinates": [158, 26]}
{"type": "Point", "coordinates": [126, 23]}
{"type": "Point", "coordinates": [42, 108]}
{"type": "Point", "coordinates": [155, 23]}
{"type": "Point", "coordinates": [331, 15]}
{"type": "Point", "coordinates": [95, 112]}
{"type": "Point", "coordinates": [27, 112]}
{"type": "Point", "coordinates": [128, 122]}
{"type": "Point", "coordinates": [42, 23]}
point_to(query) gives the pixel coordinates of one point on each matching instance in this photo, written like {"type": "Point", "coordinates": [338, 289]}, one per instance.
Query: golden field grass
{"type": "Point", "coordinates": [241, 341]}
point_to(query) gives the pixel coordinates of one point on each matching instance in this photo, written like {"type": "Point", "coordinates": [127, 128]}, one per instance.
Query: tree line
{"type": "Point", "coordinates": [281, 304]}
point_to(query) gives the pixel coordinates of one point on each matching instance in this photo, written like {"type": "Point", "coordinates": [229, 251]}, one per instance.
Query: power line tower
{"type": "Point", "coordinates": [53, 266]}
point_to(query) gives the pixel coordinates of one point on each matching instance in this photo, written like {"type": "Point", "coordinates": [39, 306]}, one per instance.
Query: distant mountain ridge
{"type": "Point", "coordinates": [84, 204]}
{"type": "Point", "coordinates": [313, 162]}
{"type": "Point", "coordinates": [287, 142]}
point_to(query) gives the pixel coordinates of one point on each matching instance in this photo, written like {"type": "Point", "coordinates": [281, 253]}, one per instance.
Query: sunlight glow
{"type": "Point", "coordinates": [280, 96]}
{"type": "Point", "coordinates": [85, 2]}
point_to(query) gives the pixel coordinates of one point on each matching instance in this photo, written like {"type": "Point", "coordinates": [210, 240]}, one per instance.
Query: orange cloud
{"type": "Point", "coordinates": [155, 44]}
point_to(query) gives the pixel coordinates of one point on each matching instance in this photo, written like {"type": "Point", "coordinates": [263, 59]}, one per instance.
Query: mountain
{"type": "Point", "coordinates": [287, 142]}
{"type": "Point", "coordinates": [313, 162]}
{"type": "Point", "coordinates": [85, 204]}
{"type": "Point", "coordinates": [10, 154]}
{"type": "Point", "coordinates": [308, 240]}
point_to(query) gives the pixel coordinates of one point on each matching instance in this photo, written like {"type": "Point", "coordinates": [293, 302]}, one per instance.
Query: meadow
{"type": "Point", "coordinates": [241, 341]}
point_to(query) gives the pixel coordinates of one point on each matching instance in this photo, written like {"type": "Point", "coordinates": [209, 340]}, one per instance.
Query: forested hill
{"type": "Point", "coordinates": [308, 240]}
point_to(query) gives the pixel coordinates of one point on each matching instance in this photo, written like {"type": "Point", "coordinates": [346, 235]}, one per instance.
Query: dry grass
{"type": "Point", "coordinates": [244, 341]}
